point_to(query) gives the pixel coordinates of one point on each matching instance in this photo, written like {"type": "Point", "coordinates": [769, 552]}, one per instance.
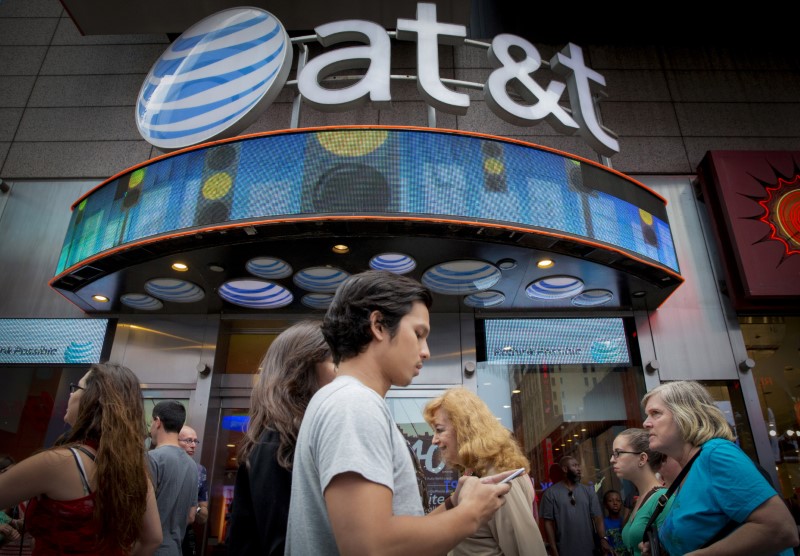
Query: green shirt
{"type": "Point", "coordinates": [634, 530]}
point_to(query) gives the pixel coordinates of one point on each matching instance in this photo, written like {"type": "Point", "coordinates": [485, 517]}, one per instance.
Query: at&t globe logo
{"type": "Point", "coordinates": [215, 79]}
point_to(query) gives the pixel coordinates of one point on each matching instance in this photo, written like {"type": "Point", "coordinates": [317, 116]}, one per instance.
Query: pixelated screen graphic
{"type": "Point", "coordinates": [371, 171]}
{"type": "Point", "coordinates": [556, 342]}
{"type": "Point", "coordinates": [51, 341]}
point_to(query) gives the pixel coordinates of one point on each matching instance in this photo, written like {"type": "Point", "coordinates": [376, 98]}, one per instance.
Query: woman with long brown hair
{"type": "Point", "coordinates": [296, 365]}
{"type": "Point", "coordinates": [91, 493]}
{"type": "Point", "coordinates": [471, 440]}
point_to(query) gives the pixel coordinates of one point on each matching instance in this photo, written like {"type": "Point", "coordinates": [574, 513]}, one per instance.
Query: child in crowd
{"type": "Point", "coordinates": [612, 504]}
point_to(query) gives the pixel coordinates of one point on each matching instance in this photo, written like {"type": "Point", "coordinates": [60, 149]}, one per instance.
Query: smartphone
{"type": "Point", "coordinates": [514, 475]}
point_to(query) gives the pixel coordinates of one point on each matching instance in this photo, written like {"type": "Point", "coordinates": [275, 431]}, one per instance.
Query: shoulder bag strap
{"type": "Point", "coordinates": [81, 470]}
{"type": "Point", "coordinates": [664, 498]}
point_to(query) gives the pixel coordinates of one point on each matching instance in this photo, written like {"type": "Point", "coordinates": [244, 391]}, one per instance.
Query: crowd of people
{"type": "Point", "coordinates": [324, 468]}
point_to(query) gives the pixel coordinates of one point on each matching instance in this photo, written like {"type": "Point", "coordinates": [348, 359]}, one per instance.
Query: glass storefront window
{"type": "Point", "coordinates": [564, 387]}
{"type": "Point", "coordinates": [773, 343]}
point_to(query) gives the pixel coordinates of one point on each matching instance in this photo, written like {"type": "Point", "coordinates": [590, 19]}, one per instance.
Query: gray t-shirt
{"type": "Point", "coordinates": [174, 476]}
{"type": "Point", "coordinates": [574, 529]}
{"type": "Point", "coordinates": [347, 428]}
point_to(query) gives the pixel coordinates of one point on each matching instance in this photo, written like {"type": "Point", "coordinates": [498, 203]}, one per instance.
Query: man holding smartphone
{"type": "Point", "coordinates": [354, 488]}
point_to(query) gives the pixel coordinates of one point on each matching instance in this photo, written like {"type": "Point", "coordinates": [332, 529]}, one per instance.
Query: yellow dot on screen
{"type": "Point", "coordinates": [646, 217]}
{"type": "Point", "coordinates": [493, 166]}
{"type": "Point", "coordinates": [352, 143]}
{"type": "Point", "coordinates": [136, 178]}
{"type": "Point", "coordinates": [217, 186]}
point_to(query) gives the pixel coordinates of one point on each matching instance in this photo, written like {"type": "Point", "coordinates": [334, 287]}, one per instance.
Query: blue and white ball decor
{"type": "Point", "coordinates": [397, 263]}
{"type": "Point", "coordinates": [320, 279]}
{"type": "Point", "coordinates": [592, 298]}
{"type": "Point", "coordinates": [555, 287]}
{"type": "Point", "coordinates": [255, 294]}
{"type": "Point", "coordinates": [461, 277]}
{"type": "Point", "coordinates": [482, 300]}
{"type": "Point", "coordinates": [269, 268]}
{"type": "Point", "coordinates": [317, 300]}
{"type": "Point", "coordinates": [172, 289]}
{"type": "Point", "coordinates": [215, 79]}
{"type": "Point", "coordinates": [141, 301]}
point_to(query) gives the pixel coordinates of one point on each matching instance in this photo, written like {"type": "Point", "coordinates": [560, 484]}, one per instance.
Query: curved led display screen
{"type": "Point", "coordinates": [371, 171]}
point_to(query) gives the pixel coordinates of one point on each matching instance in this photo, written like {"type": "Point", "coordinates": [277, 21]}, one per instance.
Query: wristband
{"type": "Point", "coordinates": [448, 503]}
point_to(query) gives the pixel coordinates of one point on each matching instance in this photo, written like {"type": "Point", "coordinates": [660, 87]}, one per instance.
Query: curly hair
{"type": "Point", "coordinates": [697, 416]}
{"type": "Point", "coordinates": [111, 416]}
{"type": "Point", "coordinates": [347, 323]}
{"type": "Point", "coordinates": [639, 440]}
{"type": "Point", "coordinates": [285, 385]}
{"type": "Point", "coordinates": [483, 443]}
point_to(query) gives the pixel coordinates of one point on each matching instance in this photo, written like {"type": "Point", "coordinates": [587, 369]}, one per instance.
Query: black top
{"type": "Point", "coordinates": [260, 508]}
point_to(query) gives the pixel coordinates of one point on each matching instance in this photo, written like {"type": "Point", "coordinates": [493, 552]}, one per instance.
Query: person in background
{"type": "Point", "coordinates": [633, 460]}
{"type": "Point", "coordinates": [8, 529]}
{"type": "Point", "coordinates": [174, 475]}
{"type": "Point", "coordinates": [354, 486]}
{"type": "Point", "coordinates": [188, 440]}
{"type": "Point", "coordinates": [296, 365]}
{"type": "Point", "coordinates": [612, 504]}
{"type": "Point", "coordinates": [571, 514]}
{"type": "Point", "coordinates": [91, 494]}
{"type": "Point", "coordinates": [471, 440]}
{"type": "Point", "coordinates": [722, 490]}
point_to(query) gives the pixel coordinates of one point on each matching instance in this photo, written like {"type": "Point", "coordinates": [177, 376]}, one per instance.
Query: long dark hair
{"type": "Point", "coordinates": [287, 380]}
{"type": "Point", "coordinates": [111, 417]}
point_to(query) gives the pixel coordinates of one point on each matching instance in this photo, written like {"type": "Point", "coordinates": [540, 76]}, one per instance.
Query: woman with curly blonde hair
{"type": "Point", "coordinates": [471, 440]}
{"type": "Point", "coordinates": [91, 493]}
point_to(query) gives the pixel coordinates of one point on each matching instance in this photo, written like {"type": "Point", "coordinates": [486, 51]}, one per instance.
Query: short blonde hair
{"type": "Point", "coordinates": [694, 410]}
{"type": "Point", "coordinates": [483, 443]}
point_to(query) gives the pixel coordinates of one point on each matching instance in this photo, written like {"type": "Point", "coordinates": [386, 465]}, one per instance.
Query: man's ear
{"type": "Point", "coordinates": [376, 325]}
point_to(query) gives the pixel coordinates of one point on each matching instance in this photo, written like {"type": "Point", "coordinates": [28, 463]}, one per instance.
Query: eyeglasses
{"type": "Point", "coordinates": [571, 497]}
{"type": "Point", "coordinates": [616, 453]}
{"type": "Point", "coordinates": [189, 441]}
{"type": "Point", "coordinates": [73, 387]}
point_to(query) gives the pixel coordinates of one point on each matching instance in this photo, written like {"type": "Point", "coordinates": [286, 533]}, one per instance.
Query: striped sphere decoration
{"type": "Point", "coordinates": [482, 300]}
{"type": "Point", "coordinates": [554, 287]}
{"type": "Point", "coordinates": [461, 277]}
{"type": "Point", "coordinates": [398, 263]}
{"type": "Point", "coordinates": [141, 301]}
{"type": "Point", "coordinates": [317, 300]}
{"type": "Point", "coordinates": [320, 279]}
{"type": "Point", "coordinates": [213, 79]}
{"type": "Point", "coordinates": [172, 289]}
{"type": "Point", "coordinates": [592, 298]}
{"type": "Point", "coordinates": [269, 268]}
{"type": "Point", "coordinates": [255, 294]}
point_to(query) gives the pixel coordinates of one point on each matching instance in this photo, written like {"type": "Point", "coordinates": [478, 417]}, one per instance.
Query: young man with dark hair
{"type": "Point", "coordinates": [174, 476]}
{"type": "Point", "coordinates": [354, 488]}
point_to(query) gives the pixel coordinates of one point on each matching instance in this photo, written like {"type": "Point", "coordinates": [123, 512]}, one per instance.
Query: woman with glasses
{"type": "Point", "coordinates": [633, 460]}
{"type": "Point", "coordinates": [472, 440]}
{"type": "Point", "coordinates": [723, 503]}
{"type": "Point", "coordinates": [91, 493]}
{"type": "Point", "coordinates": [296, 365]}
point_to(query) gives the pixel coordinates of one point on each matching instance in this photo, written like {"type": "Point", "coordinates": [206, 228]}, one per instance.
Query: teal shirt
{"type": "Point", "coordinates": [634, 530]}
{"type": "Point", "coordinates": [722, 485]}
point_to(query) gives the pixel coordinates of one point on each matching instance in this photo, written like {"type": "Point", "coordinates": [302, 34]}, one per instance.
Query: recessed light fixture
{"type": "Point", "coordinates": [575, 435]}
{"type": "Point", "coordinates": [100, 298]}
{"type": "Point", "coordinates": [180, 267]}
{"type": "Point", "coordinates": [516, 391]}
{"type": "Point", "coordinates": [639, 294]}
{"type": "Point", "coordinates": [231, 445]}
{"type": "Point", "coordinates": [545, 263]}
{"type": "Point", "coordinates": [506, 264]}
{"type": "Point", "coordinates": [340, 249]}
{"type": "Point", "coordinates": [214, 267]}
{"type": "Point", "coordinates": [583, 430]}
{"type": "Point", "coordinates": [508, 407]}
{"type": "Point", "coordinates": [569, 440]}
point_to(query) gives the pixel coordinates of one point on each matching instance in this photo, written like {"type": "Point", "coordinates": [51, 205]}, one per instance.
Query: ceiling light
{"type": "Point", "coordinates": [508, 406]}
{"type": "Point", "coordinates": [213, 267]}
{"type": "Point", "coordinates": [340, 249]}
{"type": "Point", "coordinates": [231, 445]}
{"type": "Point", "coordinates": [639, 294]}
{"type": "Point", "coordinates": [516, 391]}
{"type": "Point", "coordinates": [583, 430]}
{"type": "Point", "coordinates": [575, 435]}
{"type": "Point", "coordinates": [100, 298]}
{"type": "Point", "coordinates": [180, 267]}
{"type": "Point", "coordinates": [545, 263]}
{"type": "Point", "coordinates": [506, 264]}
{"type": "Point", "coordinates": [773, 432]}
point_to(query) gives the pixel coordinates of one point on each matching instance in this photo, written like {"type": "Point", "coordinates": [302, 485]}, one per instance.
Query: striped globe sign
{"type": "Point", "coordinates": [269, 267]}
{"type": "Point", "coordinates": [141, 301]}
{"type": "Point", "coordinates": [171, 289]}
{"type": "Point", "coordinates": [255, 294]}
{"type": "Point", "coordinates": [397, 263]}
{"type": "Point", "coordinates": [482, 300]}
{"type": "Point", "coordinates": [320, 279]}
{"type": "Point", "coordinates": [215, 79]}
{"type": "Point", "coordinates": [592, 298]}
{"type": "Point", "coordinates": [317, 300]}
{"type": "Point", "coordinates": [555, 287]}
{"type": "Point", "coordinates": [461, 277]}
